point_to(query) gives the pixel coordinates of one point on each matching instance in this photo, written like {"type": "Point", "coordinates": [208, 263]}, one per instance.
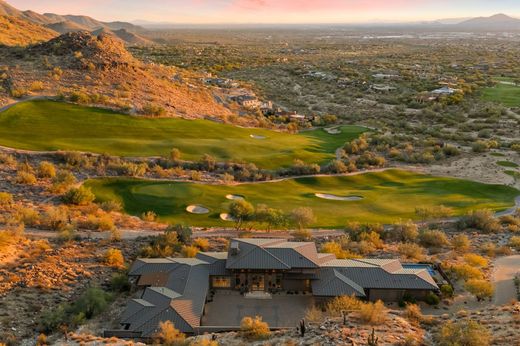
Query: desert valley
{"type": "Point", "coordinates": [259, 184]}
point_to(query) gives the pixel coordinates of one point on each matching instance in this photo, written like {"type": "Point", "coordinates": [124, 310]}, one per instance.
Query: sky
{"type": "Point", "coordinates": [273, 11]}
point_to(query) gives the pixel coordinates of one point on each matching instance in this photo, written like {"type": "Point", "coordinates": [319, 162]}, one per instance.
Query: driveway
{"type": "Point", "coordinates": [505, 270]}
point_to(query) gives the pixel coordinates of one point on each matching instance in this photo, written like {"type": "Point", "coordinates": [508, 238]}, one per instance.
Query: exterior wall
{"type": "Point", "coordinates": [293, 285]}
{"type": "Point", "coordinates": [395, 295]}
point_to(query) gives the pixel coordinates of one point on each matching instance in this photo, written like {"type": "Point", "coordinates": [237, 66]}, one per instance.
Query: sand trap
{"type": "Point", "coordinates": [197, 209]}
{"type": "Point", "coordinates": [226, 217]}
{"type": "Point", "coordinates": [257, 137]}
{"type": "Point", "coordinates": [235, 197]}
{"type": "Point", "coordinates": [332, 130]}
{"type": "Point", "coordinates": [338, 198]}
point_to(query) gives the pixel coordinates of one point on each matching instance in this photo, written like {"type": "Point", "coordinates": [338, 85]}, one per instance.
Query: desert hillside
{"type": "Point", "coordinates": [18, 32]}
{"type": "Point", "coordinates": [98, 70]}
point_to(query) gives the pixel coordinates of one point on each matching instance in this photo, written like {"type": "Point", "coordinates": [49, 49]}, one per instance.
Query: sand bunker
{"type": "Point", "coordinates": [338, 198]}
{"type": "Point", "coordinates": [226, 217]}
{"type": "Point", "coordinates": [197, 209]}
{"type": "Point", "coordinates": [235, 197]}
{"type": "Point", "coordinates": [257, 137]}
{"type": "Point", "coordinates": [332, 130]}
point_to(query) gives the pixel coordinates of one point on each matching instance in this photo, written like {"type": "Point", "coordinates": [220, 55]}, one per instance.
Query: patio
{"type": "Point", "coordinates": [229, 307]}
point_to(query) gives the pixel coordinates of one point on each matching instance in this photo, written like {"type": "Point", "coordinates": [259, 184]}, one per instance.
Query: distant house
{"type": "Point", "coordinates": [176, 289]}
{"type": "Point", "coordinates": [445, 90]}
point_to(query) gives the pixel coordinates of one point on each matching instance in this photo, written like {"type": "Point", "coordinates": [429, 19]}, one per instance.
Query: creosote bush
{"type": "Point", "coordinates": [79, 196]}
{"type": "Point", "coordinates": [168, 335]}
{"type": "Point", "coordinates": [467, 333]}
{"type": "Point", "coordinates": [254, 328]}
{"type": "Point", "coordinates": [114, 258]}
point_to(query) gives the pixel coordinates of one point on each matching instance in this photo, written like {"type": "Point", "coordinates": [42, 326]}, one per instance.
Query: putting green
{"type": "Point", "coordinates": [505, 92]}
{"type": "Point", "coordinates": [387, 197]}
{"type": "Point", "coordinates": [52, 126]}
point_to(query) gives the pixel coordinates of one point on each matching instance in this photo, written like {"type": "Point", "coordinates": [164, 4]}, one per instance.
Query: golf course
{"type": "Point", "coordinates": [381, 197]}
{"type": "Point", "coordinates": [506, 92]}
{"type": "Point", "coordinates": [52, 126]}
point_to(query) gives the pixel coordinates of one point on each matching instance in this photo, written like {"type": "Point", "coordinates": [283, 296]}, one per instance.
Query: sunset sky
{"type": "Point", "coordinates": [272, 11]}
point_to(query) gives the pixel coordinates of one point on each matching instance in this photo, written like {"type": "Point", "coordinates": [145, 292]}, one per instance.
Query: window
{"type": "Point", "coordinates": [221, 282]}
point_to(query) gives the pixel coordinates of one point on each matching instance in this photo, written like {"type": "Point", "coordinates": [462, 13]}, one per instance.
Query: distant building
{"type": "Point", "coordinates": [176, 289]}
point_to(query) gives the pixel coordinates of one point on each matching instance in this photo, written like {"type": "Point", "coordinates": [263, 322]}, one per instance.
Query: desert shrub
{"type": "Point", "coordinates": [168, 335]}
{"type": "Point", "coordinates": [514, 242]}
{"type": "Point", "coordinates": [36, 86]}
{"type": "Point", "coordinates": [119, 283]}
{"type": "Point", "coordinates": [28, 216]}
{"type": "Point", "coordinates": [314, 314]}
{"type": "Point", "coordinates": [373, 313]}
{"type": "Point", "coordinates": [79, 97]}
{"type": "Point", "coordinates": [475, 260]}
{"type": "Point", "coordinates": [164, 245]}
{"type": "Point", "coordinates": [432, 299]}
{"type": "Point", "coordinates": [25, 178]}
{"type": "Point", "coordinates": [466, 272]}
{"type": "Point", "coordinates": [6, 199]}
{"type": "Point", "coordinates": [467, 333]}
{"type": "Point", "coordinates": [337, 305]}
{"type": "Point", "coordinates": [302, 235]}
{"type": "Point", "coordinates": [111, 205]}
{"type": "Point", "coordinates": [19, 93]}
{"type": "Point", "coordinates": [183, 232]}
{"type": "Point", "coordinates": [482, 220]}
{"type": "Point", "coordinates": [413, 313]}
{"type": "Point", "coordinates": [175, 154]}
{"type": "Point", "coordinates": [435, 212]}
{"type": "Point", "coordinates": [7, 160]}
{"type": "Point", "coordinates": [481, 289]}
{"type": "Point", "coordinates": [149, 216]}
{"type": "Point", "coordinates": [62, 181]}
{"type": "Point", "coordinates": [79, 196]}
{"type": "Point", "coordinates": [55, 218]}
{"type": "Point", "coordinates": [41, 340]}
{"type": "Point", "coordinates": [189, 251]}
{"type": "Point", "coordinates": [46, 170]}
{"type": "Point", "coordinates": [433, 238]}
{"type": "Point", "coordinates": [254, 328]}
{"type": "Point", "coordinates": [93, 302]}
{"type": "Point", "coordinates": [480, 147]}
{"type": "Point", "coordinates": [446, 291]}
{"type": "Point", "coordinates": [460, 243]}
{"type": "Point", "coordinates": [336, 249]}
{"type": "Point", "coordinates": [406, 231]}
{"type": "Point", "coordinates": [489, 248]}
{"type": "Point", "coordinates": [411, 250]}
{"type": "Point", "coordinates": [201, 243]}
{"type": "Point", "coordinates": [153, 109]}
{"type": "Point", "coordinates": [114, 258]}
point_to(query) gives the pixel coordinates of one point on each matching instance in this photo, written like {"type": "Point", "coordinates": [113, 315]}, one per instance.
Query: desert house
{"type": "Point", "coordinates": [177, 289]}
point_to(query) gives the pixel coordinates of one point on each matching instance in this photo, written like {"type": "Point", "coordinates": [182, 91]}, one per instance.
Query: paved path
{"type": "Point", "coordinates": [505, 270]}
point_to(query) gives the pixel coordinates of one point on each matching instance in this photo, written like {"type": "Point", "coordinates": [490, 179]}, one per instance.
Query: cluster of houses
{"type": "Point", "coordinates": [178, 289]}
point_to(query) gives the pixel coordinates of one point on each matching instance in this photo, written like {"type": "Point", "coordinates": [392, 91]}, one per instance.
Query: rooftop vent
{"type": "Point", "coordinates": [234, 248]}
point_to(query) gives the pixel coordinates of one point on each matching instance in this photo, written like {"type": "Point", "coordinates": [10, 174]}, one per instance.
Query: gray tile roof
{"type": "Point", "coordinates": [331, 283]}
{"type": "Point", "coordinates": [180, 301]}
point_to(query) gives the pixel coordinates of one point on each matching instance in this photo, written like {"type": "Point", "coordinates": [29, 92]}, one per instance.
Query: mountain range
{"type": "Point", "coordinates": [61, 24]}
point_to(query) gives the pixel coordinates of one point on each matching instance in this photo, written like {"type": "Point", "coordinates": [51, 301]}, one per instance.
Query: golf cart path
{"type": "Point", "coordinates": [503, 274]}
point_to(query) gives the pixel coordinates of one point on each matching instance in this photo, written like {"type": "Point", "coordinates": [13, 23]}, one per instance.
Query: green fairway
{"type": "Point", "coordinates": [505, 92]}
{"type": "Point", "coordinates": [52, 126]}
{"type": "Point", "coordinates": [507, 164]}
{"type": "Point", "coordinates": [387, 197]}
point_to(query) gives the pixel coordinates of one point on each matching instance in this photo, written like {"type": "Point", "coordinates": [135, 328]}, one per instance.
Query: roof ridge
{"type": "Point", "coordinates": [348, 281]}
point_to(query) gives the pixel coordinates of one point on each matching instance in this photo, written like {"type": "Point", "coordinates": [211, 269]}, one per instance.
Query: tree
{"type": "Point", "coordinates": [183, 232]}
{"type": "Point", "coordinates": [302, 217]}
{"type": "Point", "coordinates": [467, 333]}
{"type": "Point", "coordinates": [79, 196]}
{"type": "Point", "coordinates": [241, 211]}
{"type": "Point", "coordinates": [92, 303]}
{"type": "Point", "coordinates": [168, 335]}
{"type": "Point", "coordinates": [270, 217]}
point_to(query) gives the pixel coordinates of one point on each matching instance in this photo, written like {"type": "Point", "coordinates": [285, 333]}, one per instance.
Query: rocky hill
{"type": "Point", "coordinates": [497, 22]}
{"type": "Point", "coordinates": [98, 70]}
{"type": "Point", "coordinates": [19, 32]}
{"type": "Point", "coordinates": [65, 27]}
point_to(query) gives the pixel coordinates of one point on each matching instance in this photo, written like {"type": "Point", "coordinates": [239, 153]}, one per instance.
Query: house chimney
{"type": "Point", "coordinates": [234, 248]}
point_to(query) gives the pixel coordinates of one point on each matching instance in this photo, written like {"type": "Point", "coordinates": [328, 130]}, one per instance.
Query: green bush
{"type": "Point", "coordinates": [467, 333]}
{"type": "Point", "coordinates": [79, 196]}
{"type": "Point", "coordinates": [432, 299]}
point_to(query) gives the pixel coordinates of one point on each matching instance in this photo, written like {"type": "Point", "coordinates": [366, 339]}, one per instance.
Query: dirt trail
{"type": "Point", "coordinates": [505, 270]}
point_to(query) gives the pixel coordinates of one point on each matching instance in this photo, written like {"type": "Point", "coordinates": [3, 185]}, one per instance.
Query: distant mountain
{"type": "Point", "coordinates": [16, 31]}
{"type": "Point", "coordinates": [498, 22]}
{"type": "Point", "coordinates": [65, 27]}
{"type": "Point", "coordinates": [124, 35]}
{"type": "Point", "coordinates": [74, 23]}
